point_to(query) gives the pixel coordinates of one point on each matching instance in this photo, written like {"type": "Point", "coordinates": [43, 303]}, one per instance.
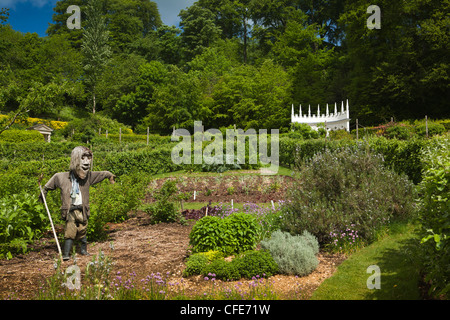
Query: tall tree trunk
{"type": "Point", "coordinates": [93, 102]}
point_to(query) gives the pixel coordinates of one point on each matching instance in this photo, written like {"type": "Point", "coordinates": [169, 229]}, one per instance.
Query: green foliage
{"type": "Point", "coordinates": [302, 131]}
{"type": "Point", "coordinates": [295, 255]}
{"type": "Point", "coordinates": [434, 215]}
{"type": "Point", "coordinates": [247, 265]}
{"type": "Point", "coordinates": [255, 264]}
{"type": "Point", "coordinates": [221, 167]}
{"type": "Point", "coordinates": [222, 269]}
{"type": "Point", "coordinates": [232, 234]}
{"type": "Point", "coordinates": [20, 136]}
{"type": "Point", "coordinates": [112, 202]}
{"type": "Point", "coordinates": [95, 48]}
{"type": "Point", "coordinates": [164, 209]}
{"type": "Point", "coordinates": [195, 264]}
{"type": "Point", "coordinates": [346, 186]}
{"type": "Point", "coordinates": [22, 219]}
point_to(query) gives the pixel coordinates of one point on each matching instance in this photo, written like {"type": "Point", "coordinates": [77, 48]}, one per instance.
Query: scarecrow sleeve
{"type": "Point", "coordinates": [52, 184]}
{"type": "Point", "coordinates": [99, 176]}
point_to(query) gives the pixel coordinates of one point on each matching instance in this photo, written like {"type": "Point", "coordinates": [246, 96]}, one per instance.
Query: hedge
{"type": "Point", "coordinates": [17, 136]}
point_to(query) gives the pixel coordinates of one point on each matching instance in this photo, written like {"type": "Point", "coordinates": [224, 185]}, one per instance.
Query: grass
{"type": "Point", "coordinates": [395, 253]}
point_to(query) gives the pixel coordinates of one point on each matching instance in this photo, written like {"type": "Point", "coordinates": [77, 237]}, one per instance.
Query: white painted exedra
{"type": "Point", "coordinates": [339, 120]}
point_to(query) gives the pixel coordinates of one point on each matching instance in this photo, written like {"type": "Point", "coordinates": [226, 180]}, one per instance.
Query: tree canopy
{"type": "Point", "coordinates": [230, 62]}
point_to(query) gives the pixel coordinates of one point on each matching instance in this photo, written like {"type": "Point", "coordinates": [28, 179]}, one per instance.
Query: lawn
{"type": "Point", "coordinates": [395, 253]}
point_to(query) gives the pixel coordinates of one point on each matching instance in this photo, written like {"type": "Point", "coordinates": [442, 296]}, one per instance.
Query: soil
{"type": "Point", "coordinates": [136, 246]}
{"type": "Point", "coordinates": [224, 188]}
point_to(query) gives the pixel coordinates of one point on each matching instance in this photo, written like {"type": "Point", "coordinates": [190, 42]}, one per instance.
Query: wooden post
{"type": "Point", "coordinates": [106, 134]}
{"type": "Point", "coordinates": [426, 126]}
{"type": "Point", "coordinates": [148, 134]}
{"type": "Point", "coordinates": [120, 135]}
{"type": "Point", "coordinates": [357, 133]}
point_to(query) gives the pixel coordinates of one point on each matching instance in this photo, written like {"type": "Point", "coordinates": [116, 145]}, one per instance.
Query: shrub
{"type": "Point", "coordinates": [434, 215]}
{"type": "Point", "coordinates": [293, 254]}
{"type": "Point", "coordinates": [255, 263]}
{"type": "Point", "coordinates": [348, 186]}
{"type": "Point", "coordinates": [246, 265]}
{"type": "Point", "coordinates": [222, 269]}
{"type": "Point", "coordinates": [19, 136]}
{"type": "Point", "coordinates": [195, 264]}
{"type": "Point", "coordinates": [233, 234]}
{"type": "Point", "coordinates": [164, 209]}
{"type": "Point", "coordinates": [22, 219]}
{"type": "Point", "coordinates": [209, 233]}
{"type": "Point", "coordinates": [244, 230]}
{"type": "Point", "coordinates": [112, 202]}
{"type": "Point", "coordinates": [434, 128]}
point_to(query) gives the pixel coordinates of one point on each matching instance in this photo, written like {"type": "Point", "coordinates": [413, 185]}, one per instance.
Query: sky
{"type": "Point", "coordinates": [35, 15]}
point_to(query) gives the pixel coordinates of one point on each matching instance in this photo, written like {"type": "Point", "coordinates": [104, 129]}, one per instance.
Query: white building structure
{"type": "Point", "coordinates": [332, 121]}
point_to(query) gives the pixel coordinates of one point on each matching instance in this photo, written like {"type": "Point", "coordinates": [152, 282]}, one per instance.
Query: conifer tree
{"type": "Point", "coordinates": [95, 48]}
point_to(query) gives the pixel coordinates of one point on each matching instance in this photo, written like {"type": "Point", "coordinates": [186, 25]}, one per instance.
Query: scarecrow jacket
{"type": "Point", "coordinates": [62, 181]}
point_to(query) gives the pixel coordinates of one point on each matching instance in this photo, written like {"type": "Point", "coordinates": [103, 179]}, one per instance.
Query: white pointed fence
{"type": "Point", "coordinates": [331, 121]}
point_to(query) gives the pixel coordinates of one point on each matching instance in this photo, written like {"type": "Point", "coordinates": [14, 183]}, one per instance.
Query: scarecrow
{"type": "Point", "coordinates": [74, 186]}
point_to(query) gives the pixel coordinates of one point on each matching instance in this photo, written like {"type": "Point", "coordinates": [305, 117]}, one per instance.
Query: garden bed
{"type": "Point", "coordinates": [253, 187]}
{"type": "Point", "coordinates": [139, 248]}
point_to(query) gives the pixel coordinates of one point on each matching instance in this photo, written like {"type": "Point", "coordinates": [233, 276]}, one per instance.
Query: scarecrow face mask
{"type": "Point", "coordinates": [84, 166]}
{"type": "Point", "coordinates": [81, 161]}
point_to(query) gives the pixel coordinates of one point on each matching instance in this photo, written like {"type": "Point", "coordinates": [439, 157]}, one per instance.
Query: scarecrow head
{"type": "Point", "coordinates": [81, 161]}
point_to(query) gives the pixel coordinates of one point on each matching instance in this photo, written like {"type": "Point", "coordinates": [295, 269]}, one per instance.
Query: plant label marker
{"type": "Point", "coordinates": [194, 194]}
{"type": "Point", "coordinates": [273, 206]}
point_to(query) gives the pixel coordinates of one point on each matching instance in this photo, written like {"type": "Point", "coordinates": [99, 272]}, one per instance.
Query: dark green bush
{"type": "Point", "coordinates": [294, 255]}
{"type": "Point", "coordinates": [255, 264]}
{"type": "Point", "coordinates": [195, 264]}
{"type": "Point", "coordinates": [344, 187]}
{"type": "Point", "coordinates": [222, 269]}
{"type": "Point", "coordinates": [247, 265]}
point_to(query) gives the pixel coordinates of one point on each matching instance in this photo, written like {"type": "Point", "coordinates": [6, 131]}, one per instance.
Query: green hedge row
{"type": "Point", "coordinates": [18, 136]}
{"type": "Point", "coordinates": [403, 156]}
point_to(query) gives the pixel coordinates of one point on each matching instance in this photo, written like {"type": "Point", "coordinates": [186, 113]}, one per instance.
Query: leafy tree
{"type": "Point", "coordinates": [95, 47]}
{"type": "Point", "coordinates": [400, 70]}
{"type": "Point", "coordinates": [302, 51]}
{"type": "Point", "coordinates": [132, 107]}
{"type": "Point", "coordinates": [174, 104]}
{"type": "Point", "coordinates": [233, 18]}
{"type": "Point", "coordinates": [38, 98]}
{"type": "Point", "coordinates": [4, 15]}
{"type": "Point", "coordinates": [127, 20]}
{"type": "Point", "coordinates": [59, 25]}
{"type": "Point", "coordinates": [130, 20]}
{"type": "Point", "coordinates": [199, 30]}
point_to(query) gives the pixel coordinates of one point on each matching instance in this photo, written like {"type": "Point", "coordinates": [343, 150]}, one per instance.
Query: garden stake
{"type": "Point", "coordinates": [49, 216]}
